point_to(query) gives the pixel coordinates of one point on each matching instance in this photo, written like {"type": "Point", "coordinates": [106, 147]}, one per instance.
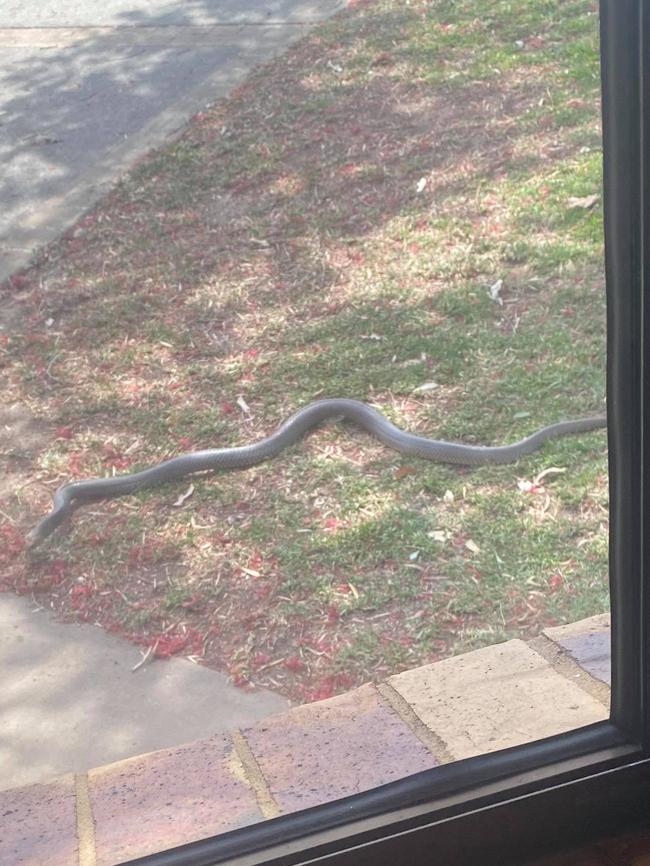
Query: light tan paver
{"type": "Point", "coordinates": [496, 697]}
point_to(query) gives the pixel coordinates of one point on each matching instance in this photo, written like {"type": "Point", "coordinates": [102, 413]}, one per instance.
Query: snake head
{"type": "Point", "coordinates": [47, 525]}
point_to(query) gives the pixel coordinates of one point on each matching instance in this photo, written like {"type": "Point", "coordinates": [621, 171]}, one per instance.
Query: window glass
{"type": "Point", "coordinates": [402, 208]}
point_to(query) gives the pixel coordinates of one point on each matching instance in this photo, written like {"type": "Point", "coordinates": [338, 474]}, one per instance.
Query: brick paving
{"type": "Point", "coordinates": [499, 696]}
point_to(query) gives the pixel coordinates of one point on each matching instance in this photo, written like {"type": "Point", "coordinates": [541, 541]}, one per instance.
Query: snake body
{"type": "Point", "coordinates": [288, 434]}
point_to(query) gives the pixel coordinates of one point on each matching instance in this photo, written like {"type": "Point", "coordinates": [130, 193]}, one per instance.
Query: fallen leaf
{"type": "Point", "coordinates": [526, 486]}
{"type": "Point", "coordinates": [552, 470]}
{"type": "Point", "coordinates": [403, 471]}
{"type": "Point", "coordinates": [35, 140]}
{"type": "Point", "coordinates": [383, 59]}
{"type": "Point", "coordinates": [145, 658]}
{"type": "Point", "coordinates": [243, 405]}
{"type": "Point", "coordinates": [183, 497]}
{"type": "Point", "coordinates": [586, 202]}
{"type": "Point", "coordinates": [494, 290]}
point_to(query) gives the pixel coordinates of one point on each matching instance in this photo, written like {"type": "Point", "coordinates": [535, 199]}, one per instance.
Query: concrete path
{"type": "Point", "coordinates": [69, 700]}
{"type": "Point", "coordinates": [85, 88]}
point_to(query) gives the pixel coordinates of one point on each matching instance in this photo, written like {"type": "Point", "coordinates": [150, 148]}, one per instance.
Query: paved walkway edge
{"type": "Point", "coordinates": [499, 696]}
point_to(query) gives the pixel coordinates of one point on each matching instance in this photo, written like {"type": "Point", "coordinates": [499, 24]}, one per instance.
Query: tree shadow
{"type": "Point", "coordinates": [345, 161]}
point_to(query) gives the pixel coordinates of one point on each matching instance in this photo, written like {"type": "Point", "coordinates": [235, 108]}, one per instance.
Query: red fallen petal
{"type": "Point", "coordinates": [18, 281]}
{"type": "Point", "coordinates": [78, 596]}
{"type": "Point", "coordinates": [12, 540]}
{"type": "Point", "coordinates": [256, 561]}
{"type": "Point", "coordinates": [333, 614]}
{"type": "Point", "coordinates": [168, 645]}
{"type": "Point", "coordinates": [294, 663]}
{"type": "Point", "coordinates": [57, 569]}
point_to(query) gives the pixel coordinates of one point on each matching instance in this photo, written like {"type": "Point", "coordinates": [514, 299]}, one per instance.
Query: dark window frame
{"type": "Point", "coordinates": [518, 802]}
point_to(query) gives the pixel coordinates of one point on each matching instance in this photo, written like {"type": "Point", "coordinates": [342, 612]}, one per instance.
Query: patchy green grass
{"type": "Point", "coordinates": [333, 229]}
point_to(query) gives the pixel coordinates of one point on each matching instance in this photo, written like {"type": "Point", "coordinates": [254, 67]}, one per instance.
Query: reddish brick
{"type": "Point", "coordinates": [38, 825]}
{"type": "Point", "coordinates": [331, 749]}
{"type": "Point", "coordinates": [169, 798]}
{"type": "Point", "coordinates": [495, 697]}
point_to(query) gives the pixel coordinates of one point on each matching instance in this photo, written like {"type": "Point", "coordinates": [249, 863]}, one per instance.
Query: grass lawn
{"type": "Point", "coordinates": [333, 228]}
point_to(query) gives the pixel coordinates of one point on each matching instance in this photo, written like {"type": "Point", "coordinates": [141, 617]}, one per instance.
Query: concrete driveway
{"type": "Point", "coordinates": [85, 88]}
